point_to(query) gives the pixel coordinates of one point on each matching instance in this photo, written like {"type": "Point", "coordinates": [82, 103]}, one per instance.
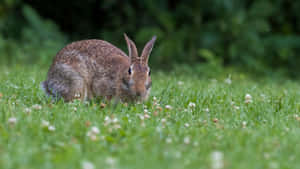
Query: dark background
{"type": "Point", "coordinates": [260, 36]}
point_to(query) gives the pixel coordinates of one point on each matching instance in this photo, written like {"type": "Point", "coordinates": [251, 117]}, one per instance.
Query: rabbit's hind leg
{"type": "Point", "coordinates": [65, 82]}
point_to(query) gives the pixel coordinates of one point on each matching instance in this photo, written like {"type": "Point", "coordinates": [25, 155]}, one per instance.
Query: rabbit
{"type": "Point", "coordinates": [95, 68]}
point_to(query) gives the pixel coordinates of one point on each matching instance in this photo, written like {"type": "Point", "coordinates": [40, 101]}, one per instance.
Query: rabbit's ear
{"type": "Point", "coordinates": [147, 50]}
{"type": "Point", "coordinates": [131, 48]}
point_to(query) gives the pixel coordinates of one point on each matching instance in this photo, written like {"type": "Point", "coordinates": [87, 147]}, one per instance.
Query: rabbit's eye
{"type": "Point", "coordinates": [149, 73]}
{"type": "Point", "coordinates": [129, 71]}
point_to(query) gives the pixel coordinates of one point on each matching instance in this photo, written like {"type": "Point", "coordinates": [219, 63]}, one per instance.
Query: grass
{"type": "Point", "coordinates": [221, 131]}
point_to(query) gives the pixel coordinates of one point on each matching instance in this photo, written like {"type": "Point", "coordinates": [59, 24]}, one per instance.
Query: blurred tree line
{"type": "Point", "coordinates": [258, 35]}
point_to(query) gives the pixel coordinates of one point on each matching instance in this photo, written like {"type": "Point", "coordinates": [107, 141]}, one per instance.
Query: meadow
{"type": "Point", "coordinates": [190, 121]}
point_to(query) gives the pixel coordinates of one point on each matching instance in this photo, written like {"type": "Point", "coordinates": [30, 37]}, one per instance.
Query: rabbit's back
{"type": "Point", "coordinates": [88, 57]}
{"type": "Point", "coordinates": [93, 50]}
{"type": "Point", "coordinates": [80, 65]}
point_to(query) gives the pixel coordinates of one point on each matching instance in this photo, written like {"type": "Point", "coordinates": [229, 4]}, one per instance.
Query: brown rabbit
{"type": "Point", "coordinates": [96, 68]}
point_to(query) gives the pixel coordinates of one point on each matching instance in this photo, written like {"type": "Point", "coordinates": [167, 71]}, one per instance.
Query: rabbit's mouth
{"type": "Point", "coordinates": [142, 96]}
{"type": "Point", "coordinates": [131, 96]}
{"type": "Point", "coordinates": [134, 94]}
{"type": "Point", "coordinates": [137, 96]}
{"type": "Point", "coordinates": [125, 84]}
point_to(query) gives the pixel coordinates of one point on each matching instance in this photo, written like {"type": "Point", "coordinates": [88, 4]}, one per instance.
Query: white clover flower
{"type": "Point", "coordinates": [156, 104]}
{"type": "Point", "coordinates": [147, 116]}
{"type": "Point", "coordinates": [169, 140]}
{"type": "Point", "coordinates": [169, 107]}
{"type": "Point", "coordinates": [217, 161]}
{"type": "Point", "coordinates": [180, 83]}
{"type": "Point", "coordinates": [110, 160]}
{"type": "Point", "coordinates": [115, 120]}
{"type": "Point", "coordinates": [192, 105]}
{"type": "Point", "coordinates": [142, 117]}
{"type": "Point", "coordinates": [163, 120]}
{"type": "Point", "coordinates": [51, 128]}
{"type": "Point", "coordinates": [77, 95]}
{"type": "Point", "coordinates": [87, 165]}
{"type": "Point", "coordinates": [244, 123]}
{"type": "Point", "coordinates": [95, 130]}
{"type": "Point", "coordinates": [145, 110]}
{"type": "Point", "coordinates": [186, 140]}
{"type": "Point", "coordinates": [12, 121]}
{"type": "Point", "coordinates": [187, 125]}
{"type": "Point", "coordinates": [113, 123]}
{"type": "Point", "coordinates": [75, 108]}
{"type": "Point", "coordinates": [45, 123]}
{"type": "Point", "coordinates": [27, 110]}
{"type": "Point", "coordinates": [106, 118]}
{"type": "Point", "coordinates": [228, 80]}
{"type": "Point", "coordinates": [248, 101]}
{"type": "Point", "coordinates": [93, 137]}
{"type": "Point", "coordinates": [236, 107]}
{"type": "Point", "coordinates": [206, 110]}
{"type": "Point", "coordinates": [248, 97]}
{"type": "Point", "coordinates": [37, 107]}
{"type": "Point", "coordinates": [117, 126]}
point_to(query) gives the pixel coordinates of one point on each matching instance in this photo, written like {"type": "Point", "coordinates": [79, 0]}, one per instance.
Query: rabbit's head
{"type": "Point", "coordinates": [137, 81]}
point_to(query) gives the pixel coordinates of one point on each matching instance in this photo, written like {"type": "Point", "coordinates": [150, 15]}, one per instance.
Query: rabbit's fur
{"type": "Point", "coordinates": [95, 68]}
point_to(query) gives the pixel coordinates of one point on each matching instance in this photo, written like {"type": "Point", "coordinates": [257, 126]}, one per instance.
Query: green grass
{"type": "Point", "coordinates": [183, 137]}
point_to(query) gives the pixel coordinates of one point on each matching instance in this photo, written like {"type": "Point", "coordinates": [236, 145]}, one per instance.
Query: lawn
{"type": "Point", "coordinates": [189, 122]}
